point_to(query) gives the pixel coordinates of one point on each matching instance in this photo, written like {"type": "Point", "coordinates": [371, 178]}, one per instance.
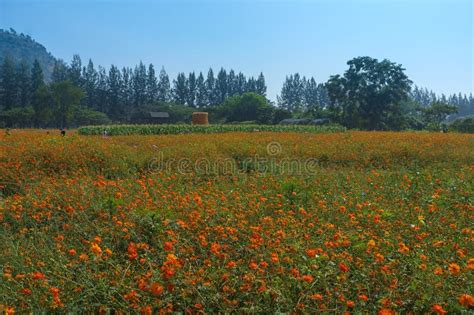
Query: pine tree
{"type": "Point", "coordinates": [191, 93]}
{"type": "Point", "coordinates": [8, 84]}
{"type": "Point", "coordinates": [221, 86]}
{"type": "Point", "coordinates": [180, 89]}
{"type": "Point", "coordinates": [260, 86]}
{"type": "Point", "coordinates": [101, 91]}
{"type": "Point", "coordinates": [164, 91]}
{"type": "Point", "coordinates": [241, 85]}
{"type": "Point", "coordinates": [251, 85]}
{"type": "Point", "coordinates": [89, 75]}
{"type": "Point", "coordinates": [139, 85]}
{"type": "Point", "coordinates": [24, 84]}
{"type": "Point", "coordinates": [211, 88]}
{"type": "Point", "coordinates": [151, 85]}
{"type": "Point", "coordinates": [60, 71]}
{"type": "Point", "coordinates": [201, 92]}
{"type": "Point", "coordinates": [311, 95]}
{"type": "Point", "coordinates": [127, 88]}
{"type": "Point", "coordinates": [74, 73]}
{"type": "Point", "coordinates": [232, 83]}
{"type": "Point", "coordinates": [37, 82]}
{"type": "Point", "coordinates": [114, 83]}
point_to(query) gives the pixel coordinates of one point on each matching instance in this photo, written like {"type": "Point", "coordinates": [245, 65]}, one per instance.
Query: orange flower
{"type": "Point", "coordinates": [466, 300]}
{"type": "Point", "coordinates": [231, 264]}
{"type": "Point", "coordinates": [71, 252]}
{"type": "Point", "coordinates": [83, 257]}
{"type": "Point", "coordinates": [386, 311]}
{"type": "Point", "coordinates": [470, 263]}
{"type": "Point", "coordinates": [438, 309]}
{"type": "Point", "coordinates": [308, 278]}
{"type": "Point", "coordinates": [454, 268]}
{"type": "Point", "coordinates": [38, 276]}
{"type": "Point", "coordinates": [438, 271]}
{"type": "Point", "coordinates": [363, 297]}
{"type": "Point", "coordinates": [350, 304]}
{"type": "Point", "coordinates": [316, 296]}
{"type": "Point", "coordinates": [343, 267]}
{"type": "Point", "coordinates": [156, 289]}
{"type": "Point", "coordinates": [95, 248]}
{"type": "Point", "coordinates": [168, 246]}
{"type": "Point", "coordinates": [132, 251]}
{"type": "Point", "coordinates": [253, 265]}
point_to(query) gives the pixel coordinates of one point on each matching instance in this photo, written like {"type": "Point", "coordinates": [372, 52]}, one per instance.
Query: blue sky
{"type": "Point", "coordinates": [432, 39]}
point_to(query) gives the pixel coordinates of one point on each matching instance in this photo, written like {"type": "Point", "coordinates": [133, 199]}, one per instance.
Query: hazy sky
{"type": "Point", "coordinates": [433, 39]}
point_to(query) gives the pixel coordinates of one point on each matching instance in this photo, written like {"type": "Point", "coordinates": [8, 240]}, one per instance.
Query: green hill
{"type": "Point", "coordinates": [23, 47]}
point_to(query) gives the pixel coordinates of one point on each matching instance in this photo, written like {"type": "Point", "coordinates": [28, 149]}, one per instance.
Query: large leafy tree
{"type": "Point", "coordinates": [61, 98]}
{"type": "Point", "coordinates": [369, 94]}
{"type": "Point", "coordinates": [246, 107]}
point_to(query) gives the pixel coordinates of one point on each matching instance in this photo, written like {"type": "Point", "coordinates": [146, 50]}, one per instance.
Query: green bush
{"type": "Point", "coordinates": [465, 125]}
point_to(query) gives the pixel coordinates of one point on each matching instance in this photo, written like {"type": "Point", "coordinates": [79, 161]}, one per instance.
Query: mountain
{"type": "Point", "coordinates": [23, 47]}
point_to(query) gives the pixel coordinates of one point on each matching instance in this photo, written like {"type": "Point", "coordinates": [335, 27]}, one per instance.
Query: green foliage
{"type": "Point", "coordinates": [85, 116]}
{"type": "Point", "coordinates": [245, 107]}
{"type": "Point", "coordinates": [465, 125]}
{"type": "Point", "coordinates": [115, 130]}
{"type": "Point", "coordinates": [437, 113]}
{"type": "Point", "coordinates": [18, 117]}
{"type": "Point", "coordinates": [369, 94]}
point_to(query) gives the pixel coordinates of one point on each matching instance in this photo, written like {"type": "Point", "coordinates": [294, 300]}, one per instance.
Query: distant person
{"type": "Point", "coordinates": [63, 132]}
{"type": "Point", "coordinates": [105, 134]}
{"type": "Point", "coordinates": [7, 131]}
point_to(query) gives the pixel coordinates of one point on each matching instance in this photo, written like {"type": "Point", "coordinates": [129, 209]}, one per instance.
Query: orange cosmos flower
{"type": "Point", "coordinates": [363, 297]}
{"type": "Point", "coordinates": [454, 268]}
{"type": "Point", "coordinates": [156, 289]}
{"type": "Point", "coordinates": [386, 311]}
{"type": "Point", "coordinates": [168, 246]}
{"type": "Point", "coordinates": [132, 251]}
{"type": "Point", "coordinates": [470, 263]}
{"type": "Point", "coordinates": [308, 278]}
{"type": "Point", "coordinates": [438, 309]}
{"type": "Point", "coordinates": [95, 248]}
{"type": "Point", "coordinates": [71, 252]}
{"type": "Point", "coordinates": [466, 300]}
{"type": "Point", "coordinates": [343, 267]}
{"type": "Point", "coordinates": [38, 276]}
{"type": "Point", "coordinates": [231, 264]}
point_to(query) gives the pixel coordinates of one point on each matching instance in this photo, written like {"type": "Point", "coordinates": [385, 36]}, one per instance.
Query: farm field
{"type": "Point", "coordinates": [261, 222]}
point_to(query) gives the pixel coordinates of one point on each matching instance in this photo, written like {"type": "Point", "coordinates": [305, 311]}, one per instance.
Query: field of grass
{"type": "Point", "coordinates": [358, 222]}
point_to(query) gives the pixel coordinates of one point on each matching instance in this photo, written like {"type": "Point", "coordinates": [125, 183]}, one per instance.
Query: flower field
{"type": "Point", "coordinates": [356, 222]}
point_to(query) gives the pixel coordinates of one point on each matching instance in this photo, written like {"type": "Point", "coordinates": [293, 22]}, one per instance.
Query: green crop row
{"type": "Point", "coordinates": [116, 130]}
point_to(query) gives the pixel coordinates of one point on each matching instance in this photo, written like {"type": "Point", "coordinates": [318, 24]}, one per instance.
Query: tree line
{"type": "Point", "coordinates": [371, 94]}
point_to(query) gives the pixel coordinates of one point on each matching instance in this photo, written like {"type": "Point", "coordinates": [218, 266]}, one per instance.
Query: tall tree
{"type": "Point", "coordinates": [75, 70]}
{"type": "Point", "coordinates": [127, 87]}
{"type": "Point", "coordinates": [8, 87]}
{"type": "Point", "coordinates": [114, 83]}
{"type": "Point", "coordinates": [24, 84]}
{"type": "Point", "coordinates": [37, 82]}
{"type": "Point", "coordinates": [260, 86]}
{"type": "Point", "coordinates": [60, 71]}
{"type": "Point", "coordinates": [151, 85]}
{"type": "Point", "coordinates": [211, 88]}
{"type": "Point", "coordinates": [191, 85]}
{"type": "Point", "coordinates": [201, 91]}
{"type": "Point", "coordinates": [221, 86]}
{"type": "Point", "coordinates": [180, 89]}
{"type": "Point", "coordinates": [101, 91]}
{"type": "Point", "coordinates": [89, 75]}
{"type": "Point", "coordinates": [139, 85]}
{"type": "Point", "coordinates": [164, 89]}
